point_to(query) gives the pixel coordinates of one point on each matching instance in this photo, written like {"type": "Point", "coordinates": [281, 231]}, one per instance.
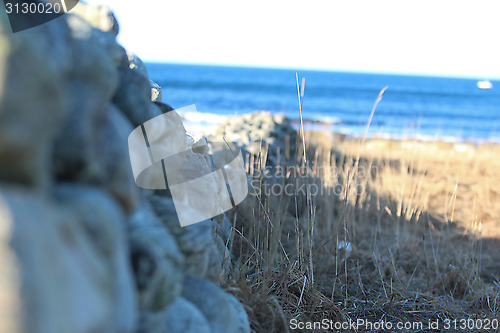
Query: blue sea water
{"type": "Point", "coordinates": [450, 109]}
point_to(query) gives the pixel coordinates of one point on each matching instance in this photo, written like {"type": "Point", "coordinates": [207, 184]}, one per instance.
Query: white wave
{"type": "Point", "coordinates": [203, 117]}
{"type": "Point", "coordinates": [327, 119]}
{"type": "Point", "coordinates": [201, 123]}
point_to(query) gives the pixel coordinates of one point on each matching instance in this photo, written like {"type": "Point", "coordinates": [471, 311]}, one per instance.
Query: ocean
{"type": "Point", "coordinates": [426, 108]}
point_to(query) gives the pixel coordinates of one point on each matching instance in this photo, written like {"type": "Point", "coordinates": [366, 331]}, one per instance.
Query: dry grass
{"type": "Point", "coordinates": [398, 231]}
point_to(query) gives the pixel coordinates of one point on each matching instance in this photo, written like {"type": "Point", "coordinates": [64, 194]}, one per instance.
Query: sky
{"type": "Point", "coordinates": [425, 37]}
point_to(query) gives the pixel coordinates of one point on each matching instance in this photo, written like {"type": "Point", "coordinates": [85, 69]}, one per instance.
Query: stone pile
{"type": "Point", "coordinates": [260, 132]}
{"type": "Point", "coordinates": [82, 248]}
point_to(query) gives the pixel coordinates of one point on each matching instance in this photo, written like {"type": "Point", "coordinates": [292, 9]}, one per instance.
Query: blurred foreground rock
{"type": "Point", "coordinates": [71, 264]}
{"type": "Point", "coordinates": [82, 248]}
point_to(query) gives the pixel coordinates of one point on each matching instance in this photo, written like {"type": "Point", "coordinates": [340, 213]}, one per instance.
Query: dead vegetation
{"type": "Point", "coordinates": [395, 231]}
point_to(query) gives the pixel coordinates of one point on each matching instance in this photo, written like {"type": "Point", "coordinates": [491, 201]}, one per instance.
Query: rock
{"type": "Point", "coordinates": [100, 17]}
{"type": "Point", "coordinates": [183, 317]}
{"type": "Point", "coordinates": [90, 85]}
{"type": "Point", "coordinates": [156, 259]}
{"type": "Point", "coordinates": [219, 261]}
{"type": "Point", "coordinates": [76, 142]}
{"type": "Point", "coordinates": [190, 140]}
{"type": "Point", "coordinates": [11, 311]}
{"type": "Point", "coordinates": [245, 209]}
{"type": "Point", "coordinates": [205, 194]}
{"type": "Point", "coordinates": [158, 138]}
{"type": "Point", "coordinates": [155, 92]}
{"type": "Point", "coordinates": [166, 135]}
{"type": "Point", "coordinates": [164, 107]}
{"type": "Point", "coordinates": [254, 132]}
{"type": "Point", "coordinates": [73, 275]}
{"type": "Point", "coordinates": [111, 168]}
{"type": "Point", "coordinates": [242, 322]}
{"type": "Point", "coordinates": [103, 219]}
{"type": "Point", "coordinates": [151, 322]}
{"type": "Point", "coordinates": [102, 157]}
{"type": "Point", "coordinates": [136, 64]}
{"type": "Point", "coordinates": [200, 193]}
{"type": "Point", "coordinates": [180, 317]}
{"type": "Point", "coordinates": [193, 240]}
{"type": "Point", "coordinates": [223, 227]}
{"type": "Point", "coordinates": [229, 158]}
{"type": "Point", "coordinates": [99, 24]}
{"type": "Point", "coordinates": [96, 55]}
{"type": "Point", "coordinates": [222, 311]}
{"type": "Point", "coordinates": [33, 66]}
{"type": "Point", "coordinates": [133, 97]}
{"type": "Point", "coordinates": [199, 146]}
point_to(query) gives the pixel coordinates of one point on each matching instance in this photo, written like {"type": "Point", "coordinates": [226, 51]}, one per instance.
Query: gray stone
{"type": "Point", "coordinates": [133, 97]}
{"type": "Point", "coordinates": [111, 169]}
{"type": "Point", "coordinates": [76, 142]}
{"type": "Point", "coordinates": [67, 264]}
{"type": "Point", "coordinates": [180, 317]}
{"type": "Point", "coordinates": [197, 264]}
{"type": "Point", "coordinates": [33, 66]}
{"type": "Point", "coordinates": [222, 311]}
{"type": "Point", "coordinates": [102, 220]}
{"type": "Point", "coordinates": [100, 17]}
{"type": "Point", "coordinates": [155, 92]}
{"type": "Point", "coordinates": [90, 85]}
{"type": "Point", "coordinates": [136, 64]}
{"type": "Point", "coordinates": [219, 261]}
{"type": "Point", "coordinates": [164, 107]}
{"type": "Point", "coordinates": [11, 311]}
{"type": "Point", "coordinates": [92, 148]}
{"type": "Point", "coordinates": [196, 201]}
{"type": "Point", "coordinates": [95, 55]}
{"type": "Point", "coordinates": [223, 227]}
{"type": "Point", "coordinates": [193, 240]}
{"type": "Point", "coordinates": [259, 131]}
{"type": "Point", "coordinates": [242, 322]}
{"type": "Point", "coordinates": [183, 317]}
{"type": "Point", "coordinates": [151, 322]}
{"type": "Point", "coordinates": [156, 259]}
{"type": "Point", "coordinates": [103, 40]}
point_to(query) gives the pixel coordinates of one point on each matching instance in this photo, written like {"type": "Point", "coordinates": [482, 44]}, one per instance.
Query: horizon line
{"type": "Point", "coordinates": [319, 69]}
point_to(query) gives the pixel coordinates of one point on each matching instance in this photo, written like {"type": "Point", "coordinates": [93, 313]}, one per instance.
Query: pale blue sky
{"type": "Point", "coordinates": [437, 37]}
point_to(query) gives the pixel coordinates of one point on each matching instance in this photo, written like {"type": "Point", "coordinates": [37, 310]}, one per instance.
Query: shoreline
{"type": "Point", "coordinates": [207, 123]}
{"type": "Point", "coordinates": [315, 125]}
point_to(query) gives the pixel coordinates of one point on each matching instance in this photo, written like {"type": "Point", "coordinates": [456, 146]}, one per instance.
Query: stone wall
{"type": "Point", "coordinates": [260, 133]}
{"type": "Point", "coordinates": [82, 248]}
